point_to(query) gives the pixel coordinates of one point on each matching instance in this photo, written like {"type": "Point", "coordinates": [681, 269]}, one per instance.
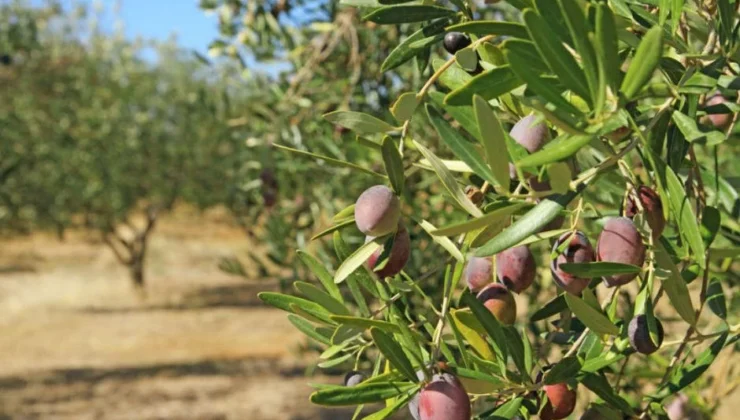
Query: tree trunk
{"type": "Point", "coordinates": [136, 270]}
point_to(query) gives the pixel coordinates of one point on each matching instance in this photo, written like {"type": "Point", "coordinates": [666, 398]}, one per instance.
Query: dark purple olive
{"type": "Point", "coordinates": [455, 41]}
{"type": "Point", "coordinates": [516, 268]}
{"type": "Point", "coordinates": [529, 134]}
{"type": "Point", "coordinates": [653, 209]}
{"type": "Point", "coordinates": [620, 242]}
{"type": "Point", "coordinates": [579, 250]}
{"type": "Point", "coordinates": [398, 257]}
{"type": "Point", "coordinates": [639, 335]}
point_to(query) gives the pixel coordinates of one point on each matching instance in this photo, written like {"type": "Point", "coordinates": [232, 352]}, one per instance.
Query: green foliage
{"type": "Point", "coordinates": [588, 69]}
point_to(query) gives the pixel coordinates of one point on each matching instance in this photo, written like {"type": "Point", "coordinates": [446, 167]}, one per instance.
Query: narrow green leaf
{"type": "Point", "coordinates": [404, 107]}
{"type": "Point", "coordinates": [564, 370]}
{"type": "Point", "coordinates": [354, 261]}
{"type": "Point", "coordinates": [601, 387]}
{"type": "Point", "coordinates": [404, 52]}
{"type": "Point", "coordinates": [593, 319]}
{"type": "Point", "coordinates": [555, 20]}
{"type": "Point", "coordinates": [448, 181]}
{"type": "Point", "coordinates": [726, 18]}
{"type": "Point", "coordinates": [556, 150]}
{"type": "Point", "coordinates": [516, 349]}
{"type": "Point", "coordinates": [407, 14]}
{"type": "Point", "coordinates": [533, 221]}
{"type": "Point", "coordinates": [345, 213]}
{"type": "Point", "coordinates": [467, 59]}
{"type": "Point", "coordinates": [465, 323]}
{"type": "Point", "coordinates": [523, 68]}
{"type": "Point", "coordinates": [716, 298]}
{"type": "Point", "coordinates": [692, 371]}
{"type": "Point", "coordinates": [507, 410]}
{"type": "Point", "coordinates": [496, 216]}
{"type": "Point", "coordinates": [363, 393]}
{"type": "Point", "coordinates": [561, 62]}
{"type": "Point", "coordinates": [489, 323]}
{"type": "Point", "coordinates": [490, 84]}
{"type": "Point", "coordinates": [343, 251]}
{"type": "Point", "coordinates": [393, 352]}
{"type": "Point", "coordinates": [366, 323]}
{"type": "Point", "coordinates": [693, 133]}
{"type": "Point", "coordinates": [331, 161]}
{"type": "Point", "coordinates": [463, 114]}
{"type": "Point", "coordinates": [335, 361]}
{"type": "Point", "coordinates": [598, 363]}
{"type": "Point", "coordinates": [644, 62]}
{"type": "Point", "coordinates": [322, 273]}
{"type": "Point", "coordinates": [494, 141]}
{"type": "Point", "coordinates": [454, 77]}
{"type": "Point", "coordinates": [322, 298]}
{"type": "Point", "coordinates": [461, 147]}
{"type": "Point", "coordinates": [445, 242]}
{"type": "Point", "coordinates": [598, 269]}
{"type": "Point", "coordinates": [359, 122]}
{"type": "Point", "coordinates": [579, 30]}
{"type": "Point", "coordinates": [309, 329]}
{"type": "Point", "coordinates": [674, 285]}
{"type": "Point", "coordinates": [491, 27]}
{"type": "Point", "coordinates": [331, 229]}
{"type": "Point", "coordinates": [392, 408]}
{"type": "Point", "coordinates": [285, 302]}
{"type": "Point", "coordinates": [393, 164]}
{"type": "Point", "coordinates": [684, 214]}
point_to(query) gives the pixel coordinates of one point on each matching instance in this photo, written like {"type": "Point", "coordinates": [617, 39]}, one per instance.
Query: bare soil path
{"type": "Point", "coordinates": [77, 343]}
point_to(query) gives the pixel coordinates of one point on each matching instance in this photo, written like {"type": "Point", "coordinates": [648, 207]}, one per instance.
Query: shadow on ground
{"type": "Point", "coordinates": [170, 391]}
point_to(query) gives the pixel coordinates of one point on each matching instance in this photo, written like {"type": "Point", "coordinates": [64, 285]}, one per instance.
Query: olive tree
{"type": "Point", "coordinates": [597, 142]}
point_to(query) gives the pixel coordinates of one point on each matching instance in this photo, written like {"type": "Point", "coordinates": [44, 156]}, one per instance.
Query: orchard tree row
{"type": "Point", "coordinates": [577, 157]}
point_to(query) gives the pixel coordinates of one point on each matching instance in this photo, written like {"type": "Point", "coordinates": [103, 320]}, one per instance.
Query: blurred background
{"type": "Point", "coordinates": [143, 204]}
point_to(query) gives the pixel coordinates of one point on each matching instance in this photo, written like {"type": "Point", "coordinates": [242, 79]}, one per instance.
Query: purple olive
{"type": "Point", "coordinates": [579, 250]}
{"type": "Point", "coordinates": [561, 401]}
{"type": "Point", "coordinates": [639, 335]}
{"type": "Point", "coordinates": [500, 302]}
{"type": "Point", "coordinates": [530, 135]}
{"type": "Point", "coordinates": [398, 257]}
{"type": "Point", "coordinates": [516, 268]}
{"type": "Point", "coordinates": [653, 209]}
{"type": "Point", "coordinates": [620, 242]}
{"type": "Point", "coordinates": [444, 398]}
{"type": "Point", "coordinates": [478, 273]}
{"type": "Point", "coordinates": [455, 41]}
{"type": "Point", "coordinates": [377, 211]}
{"type": "Point", "coordinates": [721, 121]}
{"type": "Point", "coordinates": [680, 409]}
{"type": "Point", "coordinates": [354, 378]}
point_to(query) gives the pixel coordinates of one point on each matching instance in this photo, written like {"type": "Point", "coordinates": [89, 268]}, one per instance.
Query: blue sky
{"type": "Point", "coordinates": [158, 19]}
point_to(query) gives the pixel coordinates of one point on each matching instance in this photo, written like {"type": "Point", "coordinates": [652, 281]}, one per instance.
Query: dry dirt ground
{"type": "Point", "coordinates": [76, 342]}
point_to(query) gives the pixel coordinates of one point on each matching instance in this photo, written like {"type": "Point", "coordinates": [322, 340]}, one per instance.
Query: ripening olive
{"type": "Point", "coordinates": [377, 211]}
{"type": "Point", "coordinates": [561, 401]}
{"type": "Point", "coordinates": [653, 209]}
{"type": "Point", "coordinates": [455, 41]}
{"type": "Point", "coordinates": [398, 256]}
{"type": "Point", "coordinates": [639, 335]}
{"type": "Point", "coordinates": [579, 250]}
{"type": "Point", "coordinates": [721, 121]}
{"type": "Point", "coordinates": [530, 135]}
{"type": "Point", "coordinates": [619, 134]}
{"type": "Point", "coordinates": [620, 242]}
{"type": "Point", "coordinates": [478, 273]}
{"type": "Point", "coordinates": [500, 302]}
{"type": "Point", "coordinates": [353, 378]}
{"type": "Point", "coordinates": [444, 398]}
{"type": "Point", "coordinates": [680, 409]}
{"type": "Point", "coordinates": [516, 268]}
